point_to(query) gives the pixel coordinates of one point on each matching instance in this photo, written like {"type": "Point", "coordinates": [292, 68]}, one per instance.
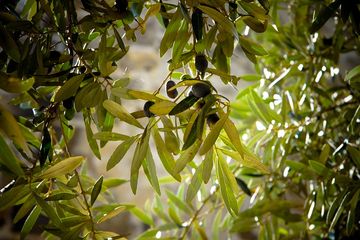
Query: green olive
{"type": "Point", "coordinates": [147, 106]}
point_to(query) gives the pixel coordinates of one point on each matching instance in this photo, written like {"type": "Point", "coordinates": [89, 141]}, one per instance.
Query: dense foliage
{"type": "Point", "coordinates": [290, 140]}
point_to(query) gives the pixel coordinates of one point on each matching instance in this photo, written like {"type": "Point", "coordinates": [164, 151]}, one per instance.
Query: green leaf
{"type": "Point", "coordinates": [62, 167]}
{"type": "Point", "coordinates": [352, 213]}
{"type": "Point", "coordinates": [61, 196]}
{"type": "Point", "coordinates": [354, 154]}
{"type": "Point", "coordinates": [187, 156]}
{"type": "Point", "coordinates": [140, 214]}
{"type": "Point", "coordinates": [213, 135]}
{"type": "Point", "coordinates": [119, 39]}
{"type": "Point", "coordinates": [162, 108]}
{"type": "Point", "coordinates": [165, 156]}
{"type": "Point", "coordinates": [112, 214]}
{"type": "Point", "coordinates": [170, 34]}
{"type": "Point", "coordinates": [233, 134]}
{"type": "Point", "coordinates": [30, 222]}
{"type": "Point", "coordinates": [195, 184]}
{"type": "Point", "coordinates": [49, 210]}
{"type": "Point", "coordinates": [181, 40]}
{"type": "Point", "coordinates": [139, 155]}
{"type": "Point", "coordinates": [184, 104]}
{"type": "Point", "coordinates": [13, 84]}
{"type": "Point", "coordinates": [353, 73]}
{"type": "Point", "coordinates": [13, 196]}
{"type": "Point", "coordinates": [324, 153]}
{"type": "Point", "coordinates": [89, 135]}
{"type": "Point", "coordinates": [110, 136]}
{"type": "Point", "coordinates": [120, 112]}
{"type": "Point", "coordinates": [335, 206]}
{"type": "Point", "coordinates": [11, 128]}
{"type": "Point", "coordinates": [96, 190]}
{"type": "Point", "coordinates": [171, 140]}
{"type": "Point", "coordinates": [180, 204]}
{"type": "Point", "coordinates": [150, 171]}
{"type": "Point", "coordinates": [25, 208]}
{"type": "Point", "coordinates": [9, 45]}
{"type": "Point", "coordinates": [324, 15]}
{"type": "Point", "coordinates": [113, 182]}
{"type": "Point", "coordinates": [119, 153]}
{"type": "Point", "coordinates": [225, 183]}
{"type": "Point", "coordinates": [208, 165]}
{"type": "Point", "coordinates": [344, 202]}
{"type": "Point", "coordinates": [69, 88]}
{"type": "Point", "coordinates": [251, 46]}
{"type": "Point", "coordinates": [220, 19]}
{"type": "Point", "coordinates": [8, 159]}
{"type": "Point", "coordinates": [249, 160]}
{"type": "Point", "coordinates": [320, 168]}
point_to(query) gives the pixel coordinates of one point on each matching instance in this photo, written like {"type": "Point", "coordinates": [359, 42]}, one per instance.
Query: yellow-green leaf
{"type": "Point", "coordinates": [112, 214]}
{"type": "Point", "coordinates": [69, 88]}
{"type": "Point", "coordinates": [8, 159]}
{"type": "Point", "coordinates": [9, 125]}
{"type": "Point", "coordinates": [120, 112]}
{"type": "Point", "coordinates": [162, 107]}
{"type": "Point", "coordinates": [144, 96]}
{"type": "Point", "coordinates": [220, 19]}
{"type": "Point", "coordinates": [213, 135]}
{"type": "Point", "coordinates": [62, 167]}
{"type": "Point", "coordinates": [187, 156]}
{"type": "Point", "coordinates": [15, 85]}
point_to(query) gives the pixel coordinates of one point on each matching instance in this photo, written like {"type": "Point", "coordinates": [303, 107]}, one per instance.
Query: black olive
{"type": "Point", "coordinates": [68, 103]}
{"type": "Point", "coordinates": [147, 106]}
{"type": "Point", "coordinates": [121, 5]}
{"type": "Point", "coordinates": [200, 90]}
{"type": "Point", "coordinates": [212, 119]}
{"type": "Point", "coordinates": [201, 63]}
{"type": "Point", "coordinates": [171, 93]}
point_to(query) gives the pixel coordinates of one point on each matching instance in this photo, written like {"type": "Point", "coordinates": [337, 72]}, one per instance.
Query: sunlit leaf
{"type": "Point", "coordinates": [119, 111]}
{"type": "Point", "coordinates": [62, 167]}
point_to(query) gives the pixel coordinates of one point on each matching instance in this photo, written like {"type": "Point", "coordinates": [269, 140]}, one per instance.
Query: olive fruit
{"type": "Point", "coordinates": [69, 113]}
{"type": "Point", "coordinates": [212, 119]}
{"type": "Point", "coordinates": [147, 106]}
{"type": "Point", "coordinates": [121, 5]}
{"type": "Point", "coordinates": [171, 93]}
{"type": "Point", "coordinates": [68, 103]}
{"type": "Point", "coordinates": [200, 90]}
{"type": "Point", "coordinates": [197, 23]}
{"type": "Point", "coordinates": [201, 63]}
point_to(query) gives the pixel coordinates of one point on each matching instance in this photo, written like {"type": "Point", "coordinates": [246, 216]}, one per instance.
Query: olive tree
{"type": "Point", "coordinates": [281, 160]}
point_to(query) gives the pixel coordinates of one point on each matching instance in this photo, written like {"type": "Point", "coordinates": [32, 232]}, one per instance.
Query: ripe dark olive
{"type": "Point", "coordinates": [147, 106]}
{"type": "Point", "coordinates": [201, 63]}
{"type": "Point", "coordinates": [212, 119]}
{"type": "Point", "coordinates": [121, 5]}
{"type": "Point", "coordinates": [68, 103]}
{"type": "Point", "coordinates": [200, 90]}
{"type": "Point", "coordinates": [171, 93]}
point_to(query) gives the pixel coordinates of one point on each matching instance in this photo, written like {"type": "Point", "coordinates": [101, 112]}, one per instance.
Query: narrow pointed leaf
{"type": "Point", "coordinates": [96, 190]}
{"type": "Point", "coordinates": [120, 112]}
{"type": "Point", "coordinates": [213, 135]}
{"type": "Point", "coordinates": [62, 167]}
